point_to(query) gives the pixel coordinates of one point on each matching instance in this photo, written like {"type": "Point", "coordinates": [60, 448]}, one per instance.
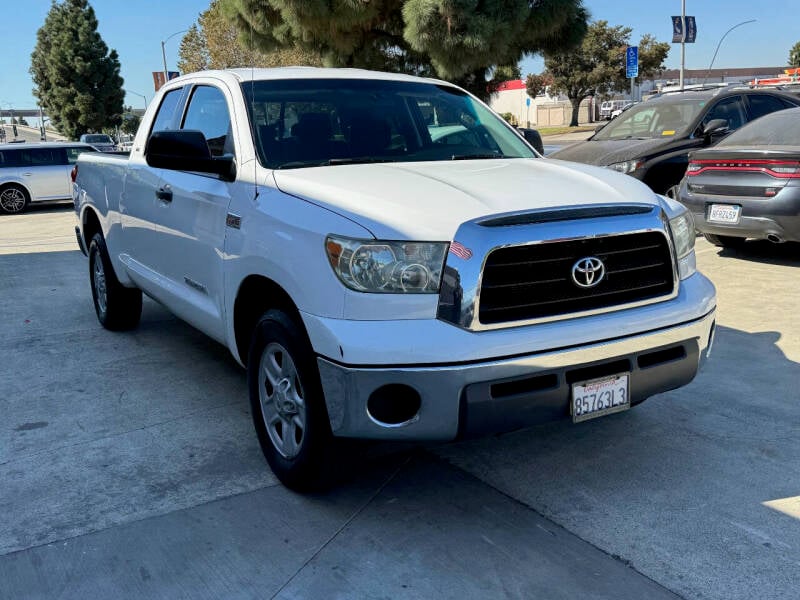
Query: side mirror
{"type": "Point", "coordinates": [187, 150]}
{"type": "Point", "coordinates": [534, 139]}
{"type": "Point", "coordinates": [715, 127]}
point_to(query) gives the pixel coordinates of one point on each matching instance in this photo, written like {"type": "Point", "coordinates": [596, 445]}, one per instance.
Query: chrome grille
{"type": "Point", "coordinates": [535, 281]}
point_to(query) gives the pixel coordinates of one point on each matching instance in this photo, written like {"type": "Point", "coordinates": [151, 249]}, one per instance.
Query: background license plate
{"type": "Point", "coordinates": [599, 397]}
{"type": "Point", "coordinates": [724, 213]}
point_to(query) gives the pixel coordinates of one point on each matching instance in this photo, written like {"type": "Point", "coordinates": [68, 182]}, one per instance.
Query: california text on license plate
{"type": "Point", "coordinates": [724, 213]}
{"type": "Point", "coordinates": [600, 397]}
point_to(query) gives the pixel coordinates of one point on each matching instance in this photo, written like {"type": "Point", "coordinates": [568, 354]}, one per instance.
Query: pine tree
{"type": "Point", "coordinates": [794, 55]}
{"type": "Point", "coordinates": [461, 41]}
{"type": "Point", "coordinates": [75, 75]}
{"type": "Point", "coordinates": [193, 52]}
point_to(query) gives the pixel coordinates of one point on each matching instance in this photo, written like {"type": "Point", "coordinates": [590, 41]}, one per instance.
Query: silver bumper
{"type": "Point", "coordinates": [502, 395]}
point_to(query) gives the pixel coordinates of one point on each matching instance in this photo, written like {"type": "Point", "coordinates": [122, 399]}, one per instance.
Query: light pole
{"type": "Point", "coordinates": [720, 43]}
{"type": "Point", "coordinates": [138, 94]}
{"type": "Point", "coordinates": [164, 53]}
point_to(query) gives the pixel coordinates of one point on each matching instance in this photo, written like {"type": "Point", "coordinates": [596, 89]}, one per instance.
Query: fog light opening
{"type": "Point", "coordinates": [394, 405]}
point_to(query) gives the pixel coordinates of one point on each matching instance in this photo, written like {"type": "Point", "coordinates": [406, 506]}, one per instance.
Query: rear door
{"type": "Point", "coordinates": [46, 174]}
{"type": "Point", "coordinates": [139, 207]}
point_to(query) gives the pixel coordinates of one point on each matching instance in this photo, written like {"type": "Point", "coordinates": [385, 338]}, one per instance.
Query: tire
{"type": "Point", "coordinates": [118, 308]}
{"type": "Point", "coordinates": [14, 199]}
{"type": "Point", "coordinates": [725, 241]}
{"type": "Point", "coordinates": [287, 403]}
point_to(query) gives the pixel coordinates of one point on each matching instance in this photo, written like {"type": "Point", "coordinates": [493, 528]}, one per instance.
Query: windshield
{"type": "Point", "coordinates": [98, 139]}
{"type": "Point", "coordinates": [780, 128]}
{"type": "Point", "coordinates": [314, 122]}
{"type": "Point", "coordinates": [653, 120]}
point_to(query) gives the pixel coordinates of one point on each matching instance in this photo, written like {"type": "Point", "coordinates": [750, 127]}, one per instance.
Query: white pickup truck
{"type": "Point", "coordinates": [390, 260]}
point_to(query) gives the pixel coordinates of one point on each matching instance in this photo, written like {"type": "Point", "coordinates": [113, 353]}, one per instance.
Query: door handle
{"type": "Point", "coordinates": [27, 174]}
{"type": "Point", "coordinates": [164, 193]}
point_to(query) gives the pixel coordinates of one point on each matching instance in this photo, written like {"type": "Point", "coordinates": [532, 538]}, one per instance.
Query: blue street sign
{"type": "Point", "coordinates": [527, 101]}
{"type": "Point", "coordinates": [632, 61]}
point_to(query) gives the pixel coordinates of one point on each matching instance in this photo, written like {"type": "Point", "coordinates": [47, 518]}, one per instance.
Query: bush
{"type": "Point", "coordinates": [511, 119]}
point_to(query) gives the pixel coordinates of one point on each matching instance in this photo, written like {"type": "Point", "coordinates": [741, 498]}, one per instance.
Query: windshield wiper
{"type": "Point", "coordinates": [355, 160]}
{"type": "Point", "coordinates": [475, 156]}
{"type": "Point", "coordinates": [298, 164]}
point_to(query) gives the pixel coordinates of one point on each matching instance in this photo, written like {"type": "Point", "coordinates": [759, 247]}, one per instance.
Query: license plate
{"type": "Point", "coordinates": [724, 213]}
{"type": "Point", "coordinates": [599, 397]}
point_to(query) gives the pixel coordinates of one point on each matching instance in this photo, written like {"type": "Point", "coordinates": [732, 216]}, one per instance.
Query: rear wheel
{"type": "Point", "coordinates": [287, 402]}
{"type": "Point", "coordinates": [118, 308]}
{"type": "Point", "coordinates": [725, 241]}
{"type": "Point", "coordinates": [13, 199]}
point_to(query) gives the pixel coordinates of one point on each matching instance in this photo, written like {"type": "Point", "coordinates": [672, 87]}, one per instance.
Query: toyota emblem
{"type": "Point", "coordinates": [588, 272]}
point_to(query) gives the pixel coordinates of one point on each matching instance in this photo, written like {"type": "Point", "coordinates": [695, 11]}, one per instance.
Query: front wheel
{"type": "Point", "coordinates": [287, 402]}
{"type": "Point", "coordinates": [725, 241]}
{"type": "Point", "coordinates": [118, 308]}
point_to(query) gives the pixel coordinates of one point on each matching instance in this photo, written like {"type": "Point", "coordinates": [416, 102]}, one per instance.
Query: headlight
{"type": "Point", "coordinates": [683, 236]}
{"type": "Point", "coordinates": [629, 166]}
{"type": "Point", "coordinates": [387, 267]}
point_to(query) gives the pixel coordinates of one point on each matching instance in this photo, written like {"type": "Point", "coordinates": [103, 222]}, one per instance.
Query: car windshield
{"type": "Point", "coordinates": [651, 120]}
{"type": "Point", "coordinates": [316, 122]}
{"type": "Point", "coordinates": [780, 128]}
{"type": "Point", "coordinates": [98, 139]}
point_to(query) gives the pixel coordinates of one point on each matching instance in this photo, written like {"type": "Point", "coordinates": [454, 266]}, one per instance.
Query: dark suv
{"type": "Point", "coordinates": [651, 141]}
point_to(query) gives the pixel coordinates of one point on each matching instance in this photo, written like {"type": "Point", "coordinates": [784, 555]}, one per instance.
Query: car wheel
{"type": "Point", "coordinates": [673, 192]}
{"type": "Point", "coordinates": [118, 308]}
{"type": "Point", "coordinates": [287, 402]}
{"type": "Point", "coordinates": [13, 199]}
{"type": "Point", "coordinates": [725, 241]}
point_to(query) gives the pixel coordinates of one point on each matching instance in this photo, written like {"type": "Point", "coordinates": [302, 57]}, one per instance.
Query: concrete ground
{"type": "Point", "coordinates": [129, 468]}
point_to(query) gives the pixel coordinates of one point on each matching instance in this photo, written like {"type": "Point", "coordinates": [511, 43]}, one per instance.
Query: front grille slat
{"type": "Point", "coordinates": [535, 281]}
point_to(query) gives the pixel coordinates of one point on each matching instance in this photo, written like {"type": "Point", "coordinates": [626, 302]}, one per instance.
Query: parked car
{"type": "Point", "coordinates": [607, 107]}
{"type": "Point", "coordinates": [38, 172]}
{"type": "Point", "coordinates": [101, 141]}
{"type": "Point", "coordinates": [748, 185]}
{"type": "Point", "coordinates": [382, 277]}
{"type": "Point", "coordinates": [652, 140]}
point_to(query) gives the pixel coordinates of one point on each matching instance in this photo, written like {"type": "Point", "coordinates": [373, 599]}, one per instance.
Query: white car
{"type": "Point", "coordinates": [38, 172]}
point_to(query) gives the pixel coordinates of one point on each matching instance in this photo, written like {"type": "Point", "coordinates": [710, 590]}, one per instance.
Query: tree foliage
{"type": "Point", "coordinates": [75, 75]}
{"type": "Point", "coordinates": [598, 65]}
{"type": "Point", "coordinates": [794, 55]}
{"type": "Point", "coordinates": [214, 42]}
{"type": "Point", "coordinates": [537, 84]}
{"type": "Point", "coordinates": [458, 40]}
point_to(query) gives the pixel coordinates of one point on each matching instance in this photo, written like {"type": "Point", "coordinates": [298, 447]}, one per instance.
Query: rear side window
{"type": "Point", "coordinates": [208, 112]}
{"type": "Point", "coordinates": [165, 117]}
{"type": "Point", "coordinates": [762, 104]}
{"type": "Point", "coordinates": [13, 158]}
{"type": "Point", "coordinates": [44, 157]}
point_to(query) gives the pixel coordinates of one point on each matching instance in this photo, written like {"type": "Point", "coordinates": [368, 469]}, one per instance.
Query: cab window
{"type": "Point", "coordinates": [208, 112]}
{"type": "Point", "coordinates": [762, 104]}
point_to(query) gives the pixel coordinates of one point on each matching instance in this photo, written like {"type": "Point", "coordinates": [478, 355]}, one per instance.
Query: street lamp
{"type": "Point", "coordinates": [164, 54]}
{"type": "Point", "coordinates": [720, 43]}
{"type": "Point", "coordinates": [137, 94]}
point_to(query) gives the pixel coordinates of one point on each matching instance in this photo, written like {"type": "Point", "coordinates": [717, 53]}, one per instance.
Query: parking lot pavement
{"type": "Point", "coordinates": [129, 467]}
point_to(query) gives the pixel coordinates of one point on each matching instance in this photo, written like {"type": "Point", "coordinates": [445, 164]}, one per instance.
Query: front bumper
{"type": "Point", "coordinates": [500, 395]}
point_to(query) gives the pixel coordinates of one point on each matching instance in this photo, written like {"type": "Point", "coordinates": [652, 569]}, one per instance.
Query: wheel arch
{"type": "Point", "coordinates": [256, 295]}
{"type": "Point", "coordinates": [90, 225]}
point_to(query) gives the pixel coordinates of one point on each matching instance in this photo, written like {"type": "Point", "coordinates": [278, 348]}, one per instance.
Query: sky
{"type": "Point", "coordinates": [136, 28]}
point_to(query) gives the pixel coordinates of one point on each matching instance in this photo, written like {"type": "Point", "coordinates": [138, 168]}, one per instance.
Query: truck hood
{"type": "Point", "coordinates": [430, 200]}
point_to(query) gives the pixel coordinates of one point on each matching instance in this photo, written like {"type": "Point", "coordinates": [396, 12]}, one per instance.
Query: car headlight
{"type": "Point", "coordinates": [387, 267]}
{"type": "Point", "coordinates": [628, 166]}
{"type": "Point", "coordinates": [683, 236]}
